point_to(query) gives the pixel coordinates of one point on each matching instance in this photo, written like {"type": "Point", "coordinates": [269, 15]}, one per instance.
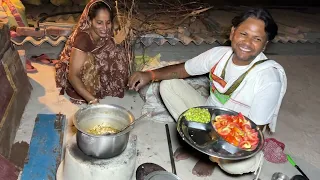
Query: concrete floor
{"type": "Point", "coordinates": [298, 124]}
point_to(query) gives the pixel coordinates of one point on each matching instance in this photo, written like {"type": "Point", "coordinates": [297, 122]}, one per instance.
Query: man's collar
{"type": "Point", "coordinates": [259, 57]}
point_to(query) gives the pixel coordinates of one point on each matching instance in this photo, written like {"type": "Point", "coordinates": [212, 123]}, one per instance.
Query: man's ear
{"type": "Point", "coordinates": [231, 33]}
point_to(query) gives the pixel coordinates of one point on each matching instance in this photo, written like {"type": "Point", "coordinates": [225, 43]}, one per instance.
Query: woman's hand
{"type": "Point", "coordinates": [139, 79]}
{"type": "Point", "coordinates": [76, 62]}
{"type": "Point", "coordinates": [94, 101]}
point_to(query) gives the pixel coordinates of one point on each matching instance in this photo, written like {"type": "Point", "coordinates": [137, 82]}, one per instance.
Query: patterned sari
{"type": "Point", "coordinates": [104, 73]}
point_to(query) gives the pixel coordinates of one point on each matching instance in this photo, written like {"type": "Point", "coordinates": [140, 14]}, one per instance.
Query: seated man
{"type": "Point", "coordinates": [241, 79]}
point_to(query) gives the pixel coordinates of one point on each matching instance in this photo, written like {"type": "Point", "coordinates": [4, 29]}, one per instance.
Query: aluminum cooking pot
{"type": "Point", "coordinates": [102, 146]}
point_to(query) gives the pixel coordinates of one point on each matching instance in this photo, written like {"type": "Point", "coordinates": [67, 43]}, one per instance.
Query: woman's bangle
{"type": "Point", "coordinates": [93, 101]}
{"type": "Point", "coordinates": [153, 75]}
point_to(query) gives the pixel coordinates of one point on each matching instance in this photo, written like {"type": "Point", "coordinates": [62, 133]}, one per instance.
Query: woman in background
{"type": "Point", "coordinates": [91, 65]}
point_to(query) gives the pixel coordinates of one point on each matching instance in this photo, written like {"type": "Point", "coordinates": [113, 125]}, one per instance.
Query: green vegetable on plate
{"type": "Point", "coordinates": [199, 115]}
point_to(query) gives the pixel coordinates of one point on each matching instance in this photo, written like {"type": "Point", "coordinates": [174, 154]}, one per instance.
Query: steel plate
{"type": "Point", "coordinates": [205, 139]}
{"type": "Point", "coordinates": [161, 175]}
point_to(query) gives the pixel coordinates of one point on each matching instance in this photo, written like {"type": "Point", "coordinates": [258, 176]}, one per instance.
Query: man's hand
{"type": "Point", "coordinates": [138, 80]}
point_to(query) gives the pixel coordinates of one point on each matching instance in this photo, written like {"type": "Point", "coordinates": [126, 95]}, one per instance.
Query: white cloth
{"type": "Point", "coordinates": [241, 166]}
{"type": "Point", "coordinates": [260, 94]}
{"type": "Point", "coordinates": [178, 96]}
{"type": "Point", "coordinates": [233, 71]}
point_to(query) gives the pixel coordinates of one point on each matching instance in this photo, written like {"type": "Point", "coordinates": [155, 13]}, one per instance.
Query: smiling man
{"type": "Point", "coordinates": [242, 79]}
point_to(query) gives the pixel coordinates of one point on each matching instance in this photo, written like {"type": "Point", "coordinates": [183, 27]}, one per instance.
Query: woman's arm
{"type": "Point", "coordinates": [77, 60]}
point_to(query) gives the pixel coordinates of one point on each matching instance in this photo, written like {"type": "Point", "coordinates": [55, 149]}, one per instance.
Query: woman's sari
{"type": "Point", "coordinates": [104, 73]}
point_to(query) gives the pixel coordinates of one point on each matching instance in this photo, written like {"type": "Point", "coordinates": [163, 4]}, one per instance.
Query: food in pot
{"type": "Point", "coordinates": [102, 129]}
{"type": "Point", "coordinates": [199, 115]}
{"type": "Point", "coordinates": [237, 131]}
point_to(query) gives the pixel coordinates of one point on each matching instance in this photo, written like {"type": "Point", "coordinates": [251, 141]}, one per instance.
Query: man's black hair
{"type": "Point", "coordinates": [271, 27]}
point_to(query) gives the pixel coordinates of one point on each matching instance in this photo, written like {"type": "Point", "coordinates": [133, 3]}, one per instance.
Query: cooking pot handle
{"type": "Point", "coordinates": [130, 126]}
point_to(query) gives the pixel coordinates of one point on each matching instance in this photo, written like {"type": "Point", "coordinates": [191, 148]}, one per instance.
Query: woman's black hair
{"type": "Point", "coordinates": [98, 6]}
{"type": "Point", "coordinates": [271, 28]}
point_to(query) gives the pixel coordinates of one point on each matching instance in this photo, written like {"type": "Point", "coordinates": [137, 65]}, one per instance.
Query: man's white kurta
{"type": "Point", "coordinates": [260, 94]}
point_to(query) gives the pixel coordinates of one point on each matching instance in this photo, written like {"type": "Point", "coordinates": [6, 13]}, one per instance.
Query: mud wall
{"type": "Point", "coordinates": [15, 90]}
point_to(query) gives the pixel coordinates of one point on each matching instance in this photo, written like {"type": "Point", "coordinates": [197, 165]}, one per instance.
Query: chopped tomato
{"type": "Point", "coordinates": [217, 125]}
{"type": "Point", "coordinates": [238, 138]}
{"type": "Point", "coordinates": [241, 117]}
{"type": "Point", "coordinates": [245, 145]}
{"type": "Point", "coordinates": [237, 119]}
{"type": "Point", "coordinates": [232, 140]}
{"type": "Point", "coordinates": [246, 123]}
{"type": "Point", "coordinates": [224, 122]}
{"type": "Point", "coordinates": [221, 118]}
{"type": "Point", "coordinates": [223, 131]}
{"type": "Point", "coordinates": [252, 135]}
{"type": "Point", "coordinates": [231, 125]}
{"type": "Point", "coordinates": [246, 128]}
{"type": "Point", "coordinates": [245, 138]}
{"type": "Point", "coordinates": [254, 142]}
{"type": "Point", "coordinates": [236, 130]}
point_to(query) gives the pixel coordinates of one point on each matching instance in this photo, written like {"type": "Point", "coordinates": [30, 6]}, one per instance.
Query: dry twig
{"type": "Point", "coordinates": [140, 18]}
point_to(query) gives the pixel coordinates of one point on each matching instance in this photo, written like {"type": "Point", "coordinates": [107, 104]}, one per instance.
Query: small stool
{"type": "Point", "coordinates": [78, 166]}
